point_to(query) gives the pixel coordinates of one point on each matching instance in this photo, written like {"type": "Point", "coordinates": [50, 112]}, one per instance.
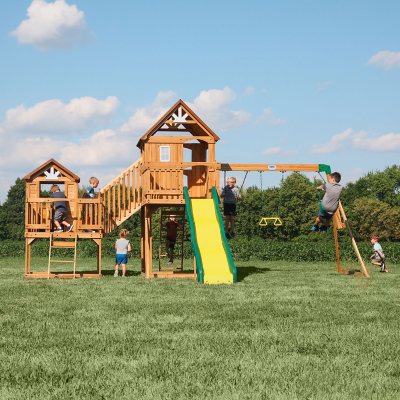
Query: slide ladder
{"type": "Point", "coordinates": [214, 262]}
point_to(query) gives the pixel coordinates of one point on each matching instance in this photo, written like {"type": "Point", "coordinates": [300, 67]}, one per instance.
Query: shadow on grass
{"type": "Point", "coordinates": [243, 272]}
{"type": "Point", "coordinates": [110, 272]}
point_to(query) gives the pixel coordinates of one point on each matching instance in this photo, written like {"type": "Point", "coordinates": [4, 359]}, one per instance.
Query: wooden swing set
{"type": "Point", "coordinates": [177, 152]}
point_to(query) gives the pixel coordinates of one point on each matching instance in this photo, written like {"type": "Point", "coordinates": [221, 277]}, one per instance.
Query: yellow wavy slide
{"type": "Point", "coordinates": [209, 240]}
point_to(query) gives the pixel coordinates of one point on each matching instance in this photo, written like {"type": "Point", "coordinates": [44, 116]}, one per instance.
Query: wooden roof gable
{"type": "Point", "coordinates": [179, 118]}
{"type": "Point", "coordinates": [52, 170]}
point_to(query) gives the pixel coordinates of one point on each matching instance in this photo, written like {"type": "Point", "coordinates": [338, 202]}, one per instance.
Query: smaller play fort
{"type": "Point", "coordinates": [177, 173]}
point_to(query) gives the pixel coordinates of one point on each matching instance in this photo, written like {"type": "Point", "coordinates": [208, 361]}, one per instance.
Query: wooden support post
{"type": "Point", "coordinates": [98, 242]}
{"type": "Point", "coordinates": [49, 260]}
{"type": "Point", "coordinates": [146, 248]}
{"type": "Point", "coordinates": [337, 253]}
{"type": "Point", "coordinates": [353, 242]}
{"type": "Point", "coordinates": [28, 243]}
{"type": "Point", "coordinates": [142, 223]}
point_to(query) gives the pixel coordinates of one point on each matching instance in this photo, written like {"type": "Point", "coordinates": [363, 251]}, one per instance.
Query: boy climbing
{"type": "Point", "coordinates": [329, 203]}
{"type": "Point", "coordinates": [60, 210]}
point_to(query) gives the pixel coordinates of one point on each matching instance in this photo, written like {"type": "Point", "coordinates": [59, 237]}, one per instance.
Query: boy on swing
{"type": "Point", "coordinates": [329, 203]}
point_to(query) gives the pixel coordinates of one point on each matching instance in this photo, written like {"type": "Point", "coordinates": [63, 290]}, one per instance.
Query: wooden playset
{"type": "Point", "coordinates": [177, 170]}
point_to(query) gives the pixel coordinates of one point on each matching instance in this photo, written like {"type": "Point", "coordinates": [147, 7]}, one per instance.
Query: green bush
{"type": "Point", "coordinates": [322, 248]}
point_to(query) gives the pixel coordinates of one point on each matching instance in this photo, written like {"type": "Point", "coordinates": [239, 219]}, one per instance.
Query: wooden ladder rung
{"type": "Point", "coordinates": [62, 261]}
{"type": "Point", "coordinates": [64, 245]}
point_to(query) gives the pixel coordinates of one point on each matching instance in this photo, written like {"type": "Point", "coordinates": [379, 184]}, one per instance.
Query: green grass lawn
{"type": "Point", "coordinates": [285, 331]}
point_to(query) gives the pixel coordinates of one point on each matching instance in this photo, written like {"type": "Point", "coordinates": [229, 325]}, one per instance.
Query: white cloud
{"type": "Point", "coordinates": [27, 152]}
{"type": "Point", "coordinates": [383, 143]}
{"type": "Point", "coordinates": [143, 118]}
{"type": "Point", "coordinates": [52, 26]}
{"type": "Point", "coordinates": [386, 59]}
{"type": "Point", "coordinates": [213, 107]}
{"type": "Point", "coordinates": [267, 117]}
{"type": "Point", "coordinates": [386, 142]}
{"type": "Point", "coordinates": [272, 151]}
{"type": "Point", "coordinates": [334, 144]}
{"type": "Point", "coordinates": [106, 147]}
{"type": "Point", "coordinates": [54, 116]}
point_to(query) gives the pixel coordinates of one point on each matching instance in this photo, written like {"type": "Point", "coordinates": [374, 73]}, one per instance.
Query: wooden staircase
{"type": "Point", "coordinates": [122, 197]}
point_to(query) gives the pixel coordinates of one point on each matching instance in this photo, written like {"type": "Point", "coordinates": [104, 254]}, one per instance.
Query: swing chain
{"type": "Point", "coordinates": [323, 180]}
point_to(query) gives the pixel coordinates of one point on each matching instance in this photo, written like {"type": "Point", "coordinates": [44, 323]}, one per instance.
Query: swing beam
{"type": "Point", "coordinates": [277, 167]}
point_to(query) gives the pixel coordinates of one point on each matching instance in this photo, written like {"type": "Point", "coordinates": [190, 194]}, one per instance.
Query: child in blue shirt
{"type": "Point", "coordinates": [93, 183]}
{"type": "Point", "coordinates": [378, 258]}
{"type": "Point", "coordinates": [122, 248]}
{"type": "Point", "coordinates": [89, 194]}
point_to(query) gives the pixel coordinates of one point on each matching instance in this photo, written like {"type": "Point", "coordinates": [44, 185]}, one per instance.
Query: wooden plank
{"type": "Point", "coordinates": [270, 167]}
{"type": "Point", "coordinates": [62, 275]}
{"type": "Point", "coordinates": [162, 166]}
{"type": "Point", "coordinates": [173, 275]}
{"type": "Point", "coordinates": [66, 245]}
{"type": "Point", "coordinates": [46, 235]}
{"type": "Point", "coordinates": [165, 201]}
{"type": "Point", "coordinates": [178, 139]}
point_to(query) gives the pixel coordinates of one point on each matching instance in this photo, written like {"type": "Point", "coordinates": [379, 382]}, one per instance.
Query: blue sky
{"type": "Point", "coordinates": [279, 81]}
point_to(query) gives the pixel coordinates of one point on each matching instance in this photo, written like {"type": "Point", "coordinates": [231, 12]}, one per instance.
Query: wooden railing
{"type": "Point", "coordinates": [38, 215]}
{"type": "Point", "coordinates": [122, 197]}
{"type": "Point", "coordinates": [90, 215]}
{"type": "Point", "coordinates": [85, 214]}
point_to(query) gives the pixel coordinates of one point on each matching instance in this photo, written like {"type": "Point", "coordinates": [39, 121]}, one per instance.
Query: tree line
{"type": "Point", "coordinates": [372, 205]}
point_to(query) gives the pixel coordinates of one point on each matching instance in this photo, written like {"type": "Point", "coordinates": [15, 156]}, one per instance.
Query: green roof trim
{"type": "Point", "coordinates": [324, 168]}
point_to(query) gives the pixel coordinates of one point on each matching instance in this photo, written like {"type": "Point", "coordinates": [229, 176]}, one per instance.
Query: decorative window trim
{"type": "Point", "coordinates": [165, 153]}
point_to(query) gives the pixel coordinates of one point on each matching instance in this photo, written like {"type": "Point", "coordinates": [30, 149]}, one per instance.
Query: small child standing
{"type": "Point", "coordinates": [329, 203]}
{"type": "Point", "coordinates": [93, 183]}
{"type": "Point", "coordinates": [89, 194]}
{"type": "Point", "coordinates": [60, 210]}
{"type": "Point", "coordinates": [172, 232]}
{"type": "Point", "coordinates": [122, 247]}
{"type": "Point", "coordinates": [230, 194]}
{"type": "Point", "coordinates": [378, 258]}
